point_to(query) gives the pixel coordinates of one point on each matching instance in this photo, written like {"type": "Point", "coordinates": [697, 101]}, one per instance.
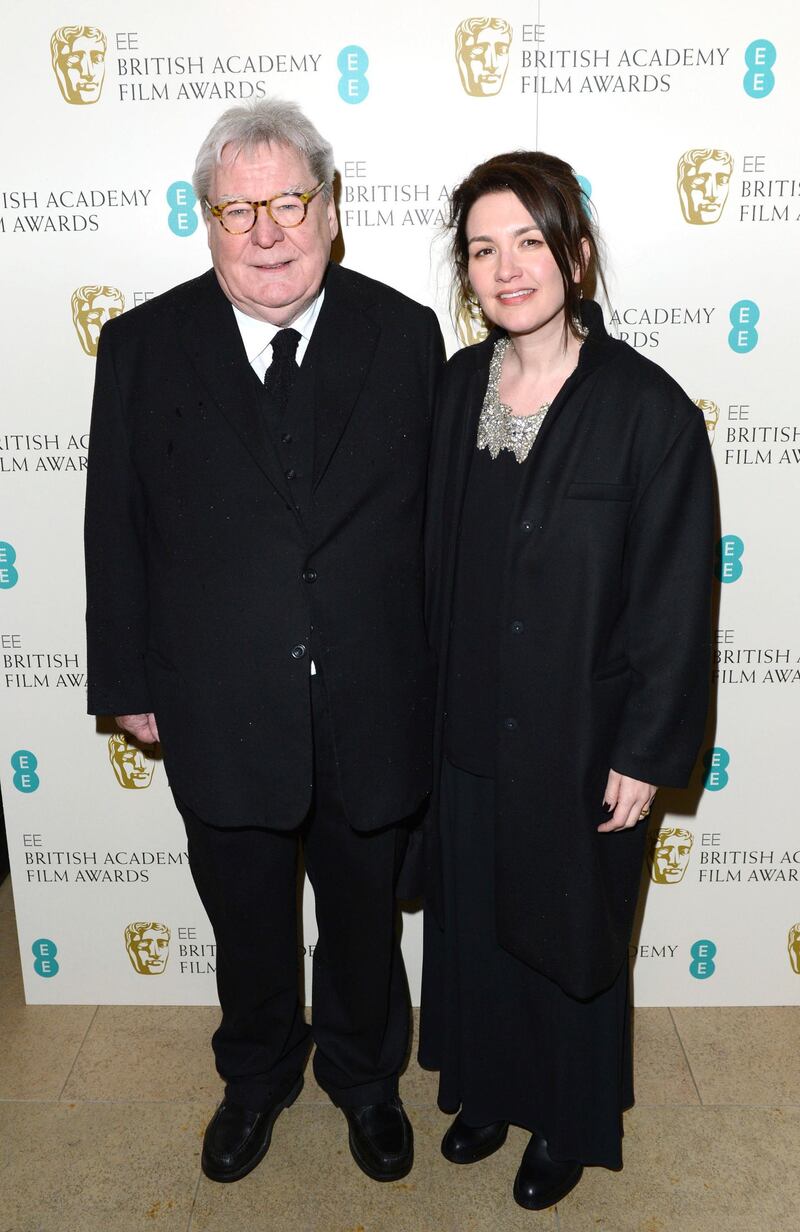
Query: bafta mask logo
{"type": "Point", "coordinates": [147, 943]}
{"type": "Point", "coordinates": [92, 306]}
{"type": "Point", "coordinates": [794, 948]}
{"type": "Point", "coordinates": [703, 183]}
{"type": "Point", "coordinates": [671, 850]}
{"type": "Point", "coordinates": [482, 47]}
{"type": "Point", "coordinates": [131, 767]}
{"type": "Point", "coordinates": [79, 62]}
{"type": "Point", "coordinates": [471, 324]}
{"type": "Point", "coordinates": [710, 412]}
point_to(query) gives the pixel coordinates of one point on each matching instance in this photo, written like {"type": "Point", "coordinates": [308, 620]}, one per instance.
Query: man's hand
{"type": "Point", "coordinates": [628, 800]}
{"type": "Point", "coordinates": [142, 726]}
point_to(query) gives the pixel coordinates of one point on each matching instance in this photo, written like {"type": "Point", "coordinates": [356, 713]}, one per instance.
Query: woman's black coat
{"type": "Point", "coordinates": [608, 563]}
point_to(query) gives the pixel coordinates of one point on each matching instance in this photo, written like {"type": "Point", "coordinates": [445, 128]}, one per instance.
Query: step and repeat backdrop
{"type": "Point", "coordinates": [681, 120]}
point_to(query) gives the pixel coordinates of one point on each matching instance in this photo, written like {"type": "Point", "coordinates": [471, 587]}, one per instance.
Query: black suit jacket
{"type": "Point", "coordinates": [197, 603]}
{"type": "Point", "coordinates": [603, 640]}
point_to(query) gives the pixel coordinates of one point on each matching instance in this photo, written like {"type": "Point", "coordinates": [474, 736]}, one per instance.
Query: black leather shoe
{"type": "Point", "coordinates": [381, 1140]}
{"type": "Point", "coordinates": [541, 1181]}
{"type": "Point", "coordinates": [237, 1139]}
{"type": "Point", "coordinates": [466, 1144]}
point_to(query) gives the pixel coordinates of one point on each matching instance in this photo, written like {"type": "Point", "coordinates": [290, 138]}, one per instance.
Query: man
{"type": "Point", "coordinates": [253, 533]}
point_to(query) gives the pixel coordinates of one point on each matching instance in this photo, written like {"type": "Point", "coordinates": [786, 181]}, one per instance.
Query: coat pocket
{"type": "Point", "coordinates": [600, 491]}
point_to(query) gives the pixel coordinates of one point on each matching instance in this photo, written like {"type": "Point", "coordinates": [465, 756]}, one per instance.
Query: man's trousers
{"type": "Point", "coordinates": [247, 879]}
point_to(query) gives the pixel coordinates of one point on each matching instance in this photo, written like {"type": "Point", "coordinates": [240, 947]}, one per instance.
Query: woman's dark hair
{"type": "Point", "coordinates": [550, 192]}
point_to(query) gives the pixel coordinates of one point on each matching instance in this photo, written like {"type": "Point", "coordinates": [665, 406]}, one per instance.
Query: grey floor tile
{"type": "Point", "coordinates": [695, 1170]}
{"type": "Point", "coordinates": [99, 1167]}
{"type": "Point", "coordinates": [744, 1055]}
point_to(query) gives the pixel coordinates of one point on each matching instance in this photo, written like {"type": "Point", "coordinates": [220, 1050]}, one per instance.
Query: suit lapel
{"type": "Point", "coordinates": [335, 365]}
{"type": "Point", "coordinates": [210, 335]}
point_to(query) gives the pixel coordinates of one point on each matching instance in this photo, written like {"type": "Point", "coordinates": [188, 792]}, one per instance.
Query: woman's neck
{"type": "Point", "coordinates": [546, 351]}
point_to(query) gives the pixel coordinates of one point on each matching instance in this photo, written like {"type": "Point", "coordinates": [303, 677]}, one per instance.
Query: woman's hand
{"type": "Point", "coordinates": [628, 800]}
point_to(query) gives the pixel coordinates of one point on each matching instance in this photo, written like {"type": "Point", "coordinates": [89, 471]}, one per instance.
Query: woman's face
{"type": "Point", "coordinates": [511, 269]}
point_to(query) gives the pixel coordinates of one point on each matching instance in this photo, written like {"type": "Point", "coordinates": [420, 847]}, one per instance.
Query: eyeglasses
{"type": "Point", "coordinates": [286, 210]}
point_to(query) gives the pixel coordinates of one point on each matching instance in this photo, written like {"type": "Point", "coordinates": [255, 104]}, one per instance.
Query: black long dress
{"type": "Point", "coordinates": [509, 1043]}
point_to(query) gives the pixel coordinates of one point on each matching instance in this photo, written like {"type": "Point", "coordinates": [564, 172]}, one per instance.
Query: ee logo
{"type": "Point", "coordinates": [702, 966]}
{"type": "Point", "coordinates": [743, 317]}
{"type": "Point", "coordinates": [181, 200]}
{"type": "Point", "coordinates": [8, 574]}
{"type": "Point", "coordinates": [24, 766]}
{"type": "Point", "coordinates": [729, 558]}
{"type": "Point", "coordinates": [759, 80]}
{"type": "Point", "coordinates": [44, 953]}
{"type": "Point", "coordinates": [716, 762]}
{"type": "Point", "coordinates": [353, 62]}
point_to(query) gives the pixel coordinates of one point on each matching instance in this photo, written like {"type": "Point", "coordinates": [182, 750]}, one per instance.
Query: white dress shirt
{"type": "Point", "coordinates": [257, 335]}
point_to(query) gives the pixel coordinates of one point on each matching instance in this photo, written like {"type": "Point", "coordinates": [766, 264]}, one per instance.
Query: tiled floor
{"type": "Point", "coordinates": [102, 1114]}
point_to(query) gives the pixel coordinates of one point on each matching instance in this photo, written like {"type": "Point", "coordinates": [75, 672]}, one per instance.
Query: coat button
{"type": "Point", "coordinates": [298, 652]}
{"type": "Point", "coordinates": [309, 575]}
{"type": "Point", "coordinates": [526, 527]}
{"type": "Point", "coordinates": [291, 474]}
{"type": "Point", "coordinates": [286, 438]}
{"type": "Point", "coordinates": [510, 724]}
{"type": "Point", "coordinates": [517, 626]}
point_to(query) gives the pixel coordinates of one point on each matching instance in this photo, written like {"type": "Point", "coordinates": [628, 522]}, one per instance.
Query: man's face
{"type": "Point", "coordinates": [705, 187]}
{"type": "Point", "coordinates": [270, 273]}
{"type": "Point", "coordinates": [149, 952]}
{"type": "Point", "coordinates": [83, 65]}
{"type": "Point", "coordinates": [671, 858]}
{"type": "Point", "coordinates": [485, 60]}
{"type": "Point", "coordinates": [92, 316]}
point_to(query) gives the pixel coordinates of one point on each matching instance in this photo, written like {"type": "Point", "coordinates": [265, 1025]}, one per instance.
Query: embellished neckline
{"type": "Point", "coordinates": [498, 427]}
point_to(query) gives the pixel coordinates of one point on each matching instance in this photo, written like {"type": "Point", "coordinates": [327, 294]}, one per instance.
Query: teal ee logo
{"type": "Point", "coordinates": [44, 954]}
{"type": "Point", "coordinates": [353, 62]}
{"type": "Point", "coordinates": [729, 559]}
{"type": "Point", "coordinates": [586, 192]}
{"type": "Point", "coordinates": [181, 200]}
{"type": "Point", "coordinates": [24, 764]}
{"type": "Point", "coordinates": [8, 574]}
{"type": "Point", "coordinates": [743, 317]}
{"type": "Point", "coordinates": [715, 763]}
{"type": "Point", "coordinates": [702, 966]}
{"type": "Point", "coordinates": [759, 80]}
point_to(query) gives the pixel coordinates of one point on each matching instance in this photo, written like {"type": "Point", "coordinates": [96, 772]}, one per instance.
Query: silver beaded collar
{"type": "Point", "coordinates": [498, 427]}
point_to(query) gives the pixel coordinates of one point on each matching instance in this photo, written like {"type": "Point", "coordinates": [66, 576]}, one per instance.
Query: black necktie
{"type": "Point", "coordinates": [280, 375]}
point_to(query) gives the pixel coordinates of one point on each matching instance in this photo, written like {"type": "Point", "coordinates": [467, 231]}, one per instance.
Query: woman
{"type": "Point", "coordinates": [571, 524]}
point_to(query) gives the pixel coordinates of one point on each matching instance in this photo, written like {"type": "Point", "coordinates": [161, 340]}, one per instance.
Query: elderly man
{"type": "Point", "coordinates": [253, 534]}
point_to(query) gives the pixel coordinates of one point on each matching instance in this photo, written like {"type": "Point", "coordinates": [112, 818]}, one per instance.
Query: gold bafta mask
{"type": "Point", "coordinates": [147, 943]}
{"type": "Point", "coordinates": [794, 948]}
{"type": "Point", "coordinates": [703, 184]}
{"type": "Point", "coordinates": [471, 324]}
{"type": "Point", "coordinates": [79, 62]}
{"type": "Point", "coordinates": [131, 767]}
{"type": "Point", "coordinates": [670, 859]}
{"type": "Point", "coordinates": [482, 47]}
{"type": "Point", "coordinates": [92, 306]}
{"type": "Point", "coordinates": [710, 412]}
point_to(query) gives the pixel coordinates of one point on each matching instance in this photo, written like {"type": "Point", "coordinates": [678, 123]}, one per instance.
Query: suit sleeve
{"type": "Point", "coordinates": [668, 618]}
{"type": "Point", "coordinates": [114, 539]}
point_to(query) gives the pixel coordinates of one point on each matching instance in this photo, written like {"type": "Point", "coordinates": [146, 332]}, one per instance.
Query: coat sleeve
{"type": "Point", "coordinates": [114, 540]}
{"type": "Point", "coordinates": [668, 573]}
